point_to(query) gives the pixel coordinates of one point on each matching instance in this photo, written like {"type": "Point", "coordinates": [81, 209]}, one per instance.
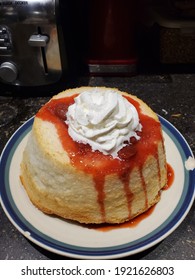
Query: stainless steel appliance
{"type": "Point", "coordinates": [32, 48]}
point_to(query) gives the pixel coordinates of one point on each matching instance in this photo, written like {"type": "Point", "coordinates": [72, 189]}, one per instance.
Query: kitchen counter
{"type": "Point", "coordinates": [172, 96]}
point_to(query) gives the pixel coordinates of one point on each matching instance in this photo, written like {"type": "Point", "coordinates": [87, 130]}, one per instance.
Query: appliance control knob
{"type": "Point", "coordinates": [8, 72]}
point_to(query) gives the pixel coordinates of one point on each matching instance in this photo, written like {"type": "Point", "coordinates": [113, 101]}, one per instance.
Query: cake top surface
{"type": "Point", "coordinates": [61, 147]}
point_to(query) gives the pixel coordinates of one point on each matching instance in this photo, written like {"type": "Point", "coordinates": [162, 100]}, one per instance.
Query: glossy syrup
{"type": "Point", "coordinates": [130, 224]}
{"type": "Point", "coordinates": [170, 177]}
{"type": "Point", "coordinates": [134, 222]}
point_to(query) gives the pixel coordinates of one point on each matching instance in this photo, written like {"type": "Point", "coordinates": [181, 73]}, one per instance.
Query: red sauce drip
{"type": "Point", "coordinates": [170, 177]}
{"type": "Point", "coordinates": [99, 185]}
{"type": "Point", "coordinates": [144, 188]}
{"type": "Point", "coordinates": [98, 164]}
{"type": "Point", "coordinates": [159, 173]}
{"type": "Point", "coordinates": [125, 178]}
{"type": "Point", "coordinates": [132, 223]}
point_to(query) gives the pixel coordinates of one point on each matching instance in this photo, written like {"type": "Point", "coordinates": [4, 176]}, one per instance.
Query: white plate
{"type": "Point", "coordinates": [77, 241]}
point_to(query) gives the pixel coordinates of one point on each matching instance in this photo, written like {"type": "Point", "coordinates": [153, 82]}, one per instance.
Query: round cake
{"type": "Point", "coordinates": [94, 155]}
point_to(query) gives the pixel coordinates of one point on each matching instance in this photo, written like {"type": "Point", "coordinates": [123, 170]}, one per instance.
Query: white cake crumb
{"type": "Point", "coordinates": [27, 234]}
{"type": "Point", "coordinates": [190, 163]}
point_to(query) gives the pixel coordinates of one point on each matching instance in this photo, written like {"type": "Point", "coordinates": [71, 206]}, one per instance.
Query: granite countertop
{"type": "Point", "coordinates": [172, 96]}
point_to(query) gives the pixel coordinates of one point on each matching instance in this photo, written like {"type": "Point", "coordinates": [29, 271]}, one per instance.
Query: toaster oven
{"type": "Point", "coordinates": [32, 46]}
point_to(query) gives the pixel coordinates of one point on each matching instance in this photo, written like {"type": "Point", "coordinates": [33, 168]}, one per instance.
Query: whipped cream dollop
{"type": "Point", "coordinates": [103, 119]}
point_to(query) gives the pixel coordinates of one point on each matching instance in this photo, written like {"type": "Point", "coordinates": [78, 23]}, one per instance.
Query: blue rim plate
{"type": "Point", "coordinates": [77, 241]}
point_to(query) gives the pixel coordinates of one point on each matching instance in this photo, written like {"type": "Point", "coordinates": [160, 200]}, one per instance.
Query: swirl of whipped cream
{"type": "Point", "coordinates": [103, 119]}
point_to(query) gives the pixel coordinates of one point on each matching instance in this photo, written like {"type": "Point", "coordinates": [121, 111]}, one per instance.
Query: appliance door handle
{"type": "Point", "coordinates": [38, 40]}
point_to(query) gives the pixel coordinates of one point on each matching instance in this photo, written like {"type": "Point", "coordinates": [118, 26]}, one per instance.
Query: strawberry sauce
{"type": "Point", "coordinates": [170, 177]}
{"type": "Point", "coordinates": [137, 220]}
{"type": "Point", "coordinates": [100, 165]}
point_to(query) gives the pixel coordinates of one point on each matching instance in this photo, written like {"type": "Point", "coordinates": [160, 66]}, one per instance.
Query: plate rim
{"type": "Point", "coordinates": [99, 253]}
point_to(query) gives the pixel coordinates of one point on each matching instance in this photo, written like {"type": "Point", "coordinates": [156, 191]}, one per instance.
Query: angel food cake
{"type": "Point", "coordinates": [95, 155]}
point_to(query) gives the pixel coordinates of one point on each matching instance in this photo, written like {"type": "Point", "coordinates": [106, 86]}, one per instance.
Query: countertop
{"type": "Point", "coordinates": [170, 95]}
